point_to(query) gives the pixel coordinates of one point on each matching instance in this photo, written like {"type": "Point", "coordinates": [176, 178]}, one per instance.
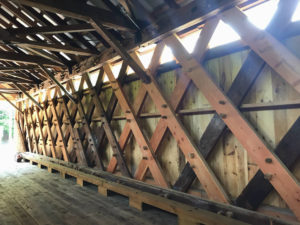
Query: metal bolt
{"type": "Point", "coordinates": [145, 148]}
{"type": "Point", "coordinates": [127, 111]}
{"type": "Point", "coordinates": [191, 155]}
{"type": "Point", "coordinates": [128, 120]}
{"type": "Point", "coordinates": [164, 105]}
{"type": "Point", "coordinates": [268, 160]}
{"type": "Point", "coordinates": [223, 116]}
{"type": "Point", "coordinates": [145, 158]}
{"type": "Point", "coordinates": [164, 117]}
{"type": "Point", "coordinates": [222, 102]}
{"type": "Point", "coordinates": [268, 176]}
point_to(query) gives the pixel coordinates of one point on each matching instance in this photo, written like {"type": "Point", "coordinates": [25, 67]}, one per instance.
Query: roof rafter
{"type": "Point", "coordinates": [30, 59]}
{"type": "Point", "coordinates": [79, 10]}
{"type": "Point", "coordinates": [74, 28]}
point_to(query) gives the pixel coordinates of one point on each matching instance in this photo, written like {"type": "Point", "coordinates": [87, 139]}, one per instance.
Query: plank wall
{"type": "Point", "coordinates": [229, 160]}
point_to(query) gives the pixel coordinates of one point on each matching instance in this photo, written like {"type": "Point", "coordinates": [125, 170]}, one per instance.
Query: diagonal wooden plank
{"type": "Point", "coordinates": [112, 102]}
{"type": "Point", "coordinates": [126, 132]}
{"type": "Point", "coordinates": [50, 135]}
{"type": "Point", "coordinates": [248, 73]}
{"type": "Point", "coordinates": [98, 86]}
{"type": "Point", "coordinates": [161, 126]}
{"type": "Point", "coordinates": [117, 46]}
{"type": "Point", "coordinates": [76, 139]}
{"type": "Point", "coordinates": [179, 90]}
{"type": "Point", "coordinates": [27, 128]}
{"type": "Point", "coordinates": [142, 141]}
{"type": "Point", "coordinates": [206, 176]}
{"type": "Point", "coordinates": [281, 178]}
{"type": "Point", "coordinates": [59, 131]}
{"type": "Point", "coordinates": [288, 150]}
{"type": "Point", "coordinates": [244, 80]}
{"type": "Point", "coordinates": [33, 126]}
{"type": "Point", "coordinates": [89, 134]}
{"type": "Point", "coordinates": [10, 102]}
{"type": "Point", "coordinates": [40, 128]}
{"type": "Point", "coordinates": [204, 173]}
{"type": "Point", "coordinates": [20, 128]}
{"type": "Point", "coordinates": [108, 130]}
{"type": "Point", "coordinates": [275, 54]}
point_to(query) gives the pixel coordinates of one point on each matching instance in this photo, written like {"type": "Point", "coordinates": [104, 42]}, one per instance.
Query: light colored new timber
{"type": "Point", "coordinates": [31, 196]}
{"type": "Point", "coordinates": [137, 197]}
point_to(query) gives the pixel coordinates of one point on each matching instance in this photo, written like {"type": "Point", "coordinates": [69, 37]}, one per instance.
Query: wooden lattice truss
{"type": "Point", "coordinates": [53, 122]}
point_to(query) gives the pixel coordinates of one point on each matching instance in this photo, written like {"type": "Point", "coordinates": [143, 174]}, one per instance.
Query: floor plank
{"type": "Point", "coordinates": [33, 196]}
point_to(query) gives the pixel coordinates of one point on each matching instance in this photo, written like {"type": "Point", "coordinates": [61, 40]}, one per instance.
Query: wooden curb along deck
{"type": "Point", "coordinates": [189, 209]}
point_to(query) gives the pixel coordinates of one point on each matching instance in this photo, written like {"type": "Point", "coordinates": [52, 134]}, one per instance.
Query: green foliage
{"type": "Point", "coordinates": [5, 120]}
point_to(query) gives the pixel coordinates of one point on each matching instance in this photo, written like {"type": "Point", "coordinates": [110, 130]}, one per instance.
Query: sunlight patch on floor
{"type": "Point", "coordinates": [7, 156]}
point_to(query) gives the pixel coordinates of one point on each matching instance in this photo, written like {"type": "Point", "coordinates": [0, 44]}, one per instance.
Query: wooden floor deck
{"type": "Point", "coordinates": [32, 196]}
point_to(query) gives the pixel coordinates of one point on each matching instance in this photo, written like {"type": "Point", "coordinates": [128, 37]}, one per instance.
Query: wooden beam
{"type": "Point", "coordinates": [79, 149]}
{"type": "Point", "coordinates": [244, 80]}
{"type": "Point", "coordinates": [12, 104]}
{"type": "Point", "coordinates": [238, 90]}
{"type": "Point", "coordinates": [73, 28]}
{"type": "Point", "coordinates": [52, 77]}
{"type": "Point", "coordinates": [33, 126]}
{"type": "Point", "coordinates": [14, 79]}
{"type": "Point", "coordinates": [191, 14]}
{"type": "Point", "coordinates": [50, 135]}
{"type": "Point", "coordinates": [55, 48]}
{"type": "Point", "coordinates": [275, 54]}
{"type": "Point", "coordinates": [117, 46]}
{"type": "Point", "coordinates": [91, 140]}
{"type": "Point", "coordinates": [206, 176]}
{"type": "Point", "coordinates": [58, 127]}
{"type": "Point", "coordinates": [27, 125]}
{"type": "Point", "coordinates": [281, 178]}
{"type": "Point", "coordinates": [79, 10]}
{"type": "Point", "coordinates": [112, 102]}
{"type": "Point", "coordinates": [91, 175]}
{"type": "Point", "coordinates": [16, 68]}
{"type": "Point", "coordinates": [30, 59]}
{"type": "Point", "coordinates": [6, 37]}
{"type": "Point", "coordinates": [21, 132]}
{"type": "Point", "coordinates": [136, 129]}
{"type": "Point", "coordinates": [258, 188]}
{"type": "Point", "coordinates": [40, 128]}
{"type": "Point", "coordinates": [108, 130]}
{"type": "Point", "coordinates": [22, 89]}
{"type": "Point", "coordinates": [51, 57]}
{"type": "Point", "coordinates": [27, 128]}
